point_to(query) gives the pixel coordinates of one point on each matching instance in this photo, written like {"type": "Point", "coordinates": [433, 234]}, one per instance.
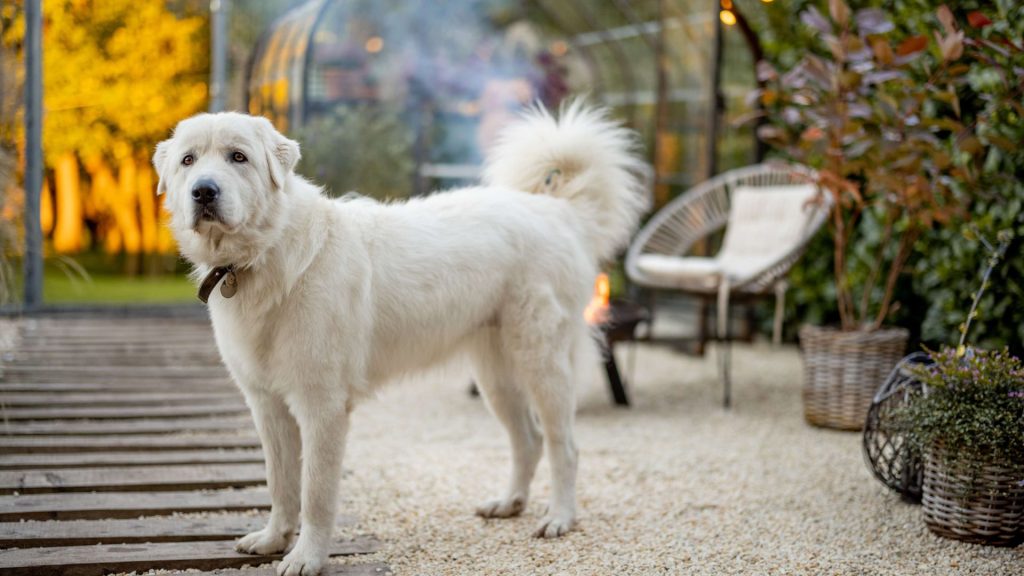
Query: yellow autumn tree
{"type": "Point", "coordinates": [117, 76]}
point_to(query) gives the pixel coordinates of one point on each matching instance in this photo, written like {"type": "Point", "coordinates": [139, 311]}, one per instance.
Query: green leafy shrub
{"type": "Point", "coordinates": [859, 112]}
{"type": "Point", "coordinates": [991, 97]}
{"type": "Point", "coordinates": [982, 124]}
{"type": "Point", "coordinates": [365, 149]}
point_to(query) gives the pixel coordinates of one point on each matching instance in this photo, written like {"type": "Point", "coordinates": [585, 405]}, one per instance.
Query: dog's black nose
{"type": "Point", "coordinates": [205, 192]}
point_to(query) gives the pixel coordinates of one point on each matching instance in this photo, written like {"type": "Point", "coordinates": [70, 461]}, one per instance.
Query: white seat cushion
{"type": "Point", "coordinates": [702, 273]}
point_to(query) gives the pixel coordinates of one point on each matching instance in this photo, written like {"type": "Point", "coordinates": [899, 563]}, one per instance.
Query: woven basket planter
{"type": "Point", "coordinates": [984, 506]}
{"type": "Point", "coordinates": [843, 370]}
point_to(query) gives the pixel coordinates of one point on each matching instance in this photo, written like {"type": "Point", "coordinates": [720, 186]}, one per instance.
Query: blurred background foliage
{"type": "Point", "coordinates": [416, 80]}
{"type": "Point", "coordinates": [117, 76]}
{"type": "Point", "coordinates": [378, 158]}
{"type": "Point", "coordinates": [933, 295]}
{"type": "Point", "coordinates": [120, 73]}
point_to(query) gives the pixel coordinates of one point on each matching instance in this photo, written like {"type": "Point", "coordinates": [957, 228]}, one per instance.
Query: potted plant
{"type": "Point", "coordinates": [881, 126]}
{"type": "Point", "coordinates": [968, 426]}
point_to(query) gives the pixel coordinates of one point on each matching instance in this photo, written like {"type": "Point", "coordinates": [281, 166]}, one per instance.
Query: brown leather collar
{"type": "Point", "coordinates": [227, 290]}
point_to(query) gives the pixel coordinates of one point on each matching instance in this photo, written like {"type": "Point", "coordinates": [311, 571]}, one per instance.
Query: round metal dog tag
{"type": "Point", "coordinates": [230, 285]}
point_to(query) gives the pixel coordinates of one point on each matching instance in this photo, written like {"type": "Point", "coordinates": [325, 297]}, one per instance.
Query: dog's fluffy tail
{"type": "Point", "coordinates": [582, 156]}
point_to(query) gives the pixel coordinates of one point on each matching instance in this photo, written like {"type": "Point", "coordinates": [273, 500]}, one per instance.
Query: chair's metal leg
{"type": "Point", "coordinates": [726, 355]}
{"type": "Point", "coordinates": [702, 326]}
{"type": "Point", "coordinates": [631, 352]}
{"type": "Point", "coordinates": [652, 307]}
{"type": "Point", "coordinates": [723, 332]}
{"type": "Point", "coordinates": [780, 309]}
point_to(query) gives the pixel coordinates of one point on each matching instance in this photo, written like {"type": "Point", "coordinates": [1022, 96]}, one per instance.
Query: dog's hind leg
{"type": "Point", "coordinates": [543, 346]}
{"type": "Point", "coordinates": [509, 403]}
{"type": "Point", "coordinates": [553, 399]}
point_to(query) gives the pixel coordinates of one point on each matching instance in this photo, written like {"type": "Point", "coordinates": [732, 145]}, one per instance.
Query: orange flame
{"type": "Point", "coordinates": [597, 311]}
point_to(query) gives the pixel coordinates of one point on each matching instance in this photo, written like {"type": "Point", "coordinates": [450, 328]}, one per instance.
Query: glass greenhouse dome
{"type": "Point", "coordinates": [399, 98]}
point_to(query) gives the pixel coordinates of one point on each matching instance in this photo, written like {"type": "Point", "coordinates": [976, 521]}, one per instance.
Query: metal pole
{"type": "Point", "coordinates": [757, 53]}
{"type": "Point", "coordinates": [33, 154]}
{"type": "Point", "coordinates": [219, 55]}
{"type": "Point", "coordinates": [715, 100]}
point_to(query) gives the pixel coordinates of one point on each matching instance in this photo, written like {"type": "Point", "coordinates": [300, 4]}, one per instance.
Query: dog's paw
{"type": "Point", "coordinates": [502, 507]}
{"type": "Point", "coordinates": [303, 560]}
{"type": "Point", "coordinates": [553, 526]}
{"type": "Point", "coordinates": [263, 542]}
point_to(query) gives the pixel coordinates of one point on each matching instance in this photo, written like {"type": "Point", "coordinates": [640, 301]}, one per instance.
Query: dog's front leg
{"type": "Point", "coordinates": [323, 423]}
{"type": "Point", "coordinates": [279, 435]}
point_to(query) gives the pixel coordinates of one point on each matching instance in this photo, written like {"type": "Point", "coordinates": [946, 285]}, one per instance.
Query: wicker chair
{"type": "Point", "coordinates": [768, 216]}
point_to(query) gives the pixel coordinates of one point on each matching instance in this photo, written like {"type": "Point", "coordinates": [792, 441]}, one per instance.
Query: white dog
{"type": "Point", "coordinates": [323, 300]}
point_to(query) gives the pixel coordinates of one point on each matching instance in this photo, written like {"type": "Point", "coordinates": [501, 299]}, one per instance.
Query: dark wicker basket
{"type": "Point", "coordinates": [984, 506]}
{"type": "Point", "coordinates": [842, 371]}
{"type": "Point", "coordinates": [891, 458]}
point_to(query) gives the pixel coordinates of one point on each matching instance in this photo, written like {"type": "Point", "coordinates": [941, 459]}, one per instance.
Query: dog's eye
{"type": "Point", "coordinates": [188, 160]}
{"type": "Point", "coordinates": [238, 157]}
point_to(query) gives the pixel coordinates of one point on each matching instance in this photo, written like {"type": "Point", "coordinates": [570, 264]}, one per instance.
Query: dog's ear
{"type": "Point", "coordinates": [159, 163]}
{"type": "Point", "coordinates": [282, 153]}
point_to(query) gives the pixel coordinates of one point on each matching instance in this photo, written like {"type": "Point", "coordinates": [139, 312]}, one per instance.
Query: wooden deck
{"type": "Point", "coordinates": [124, 447]}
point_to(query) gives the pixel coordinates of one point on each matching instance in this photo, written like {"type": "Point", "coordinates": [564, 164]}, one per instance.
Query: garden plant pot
{"type": "Point", "coordinates": [843, 370]}
{"type": "Point", "coordinates": [980, 501]}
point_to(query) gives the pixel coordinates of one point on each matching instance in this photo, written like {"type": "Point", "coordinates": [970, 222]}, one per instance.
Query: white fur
{"type": "Point", "coordinates": [336, 297]}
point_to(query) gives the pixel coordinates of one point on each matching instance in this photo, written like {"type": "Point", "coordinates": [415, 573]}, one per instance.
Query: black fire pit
{"type": "Point", "coordinates": [620, 322]}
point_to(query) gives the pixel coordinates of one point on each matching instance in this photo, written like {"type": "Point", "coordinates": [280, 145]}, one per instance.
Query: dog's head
{"type": "Point", "coordinates": [225, 176]}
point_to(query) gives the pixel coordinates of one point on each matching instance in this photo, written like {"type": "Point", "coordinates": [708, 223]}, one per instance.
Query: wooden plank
{"type": "Point", "coordinates": [123, 479]}
{"type": "Point", "coordinates": [119, 413]}
{"type": "Point", "coordinates": [70, 400]}
{"type": "Point", "coordinates": [105, 386]}
{"type": "Point", "coordinates": [48, 461]}
{"type": "Point", "coordinates": [64, 400]}
{"type": "Point", "coordinates": [77, 372]}
{"type": "Point", "coordinates": [104, 559]}
{"type": "Point", "coordinates": [369, 569]}
{"type": "Point", "coordinates": [124, 351]}
{"type": "Point", "coordinates": [193, 341]}
{"type": "Point", "coordinates": [196, 343]}
{"type": "Point", "coordinates": [126, 426]}
{"type": "Point", "coordinates": [117, 443]}
{"type": "Point", "coordinates": [42, 323]}
{"type": "Point", "coordinates": [61, 346]}
{"type": "Point", "coordinates": [197, 346]}
{"type": "Point", "coordinates": [118, 361]}
{"type": "Point", "coordinates": [169, 338]}
{"type": "Point", "coordinates": [77, 506]}
{"type": "Point", "coordinates": [155, 326]}
{"type": "Point", "coordinates": [129, 531]}
{"type": "Point", "coordinates": [205, 354]}
{"type": "Point", "coordinates": [117, 381]}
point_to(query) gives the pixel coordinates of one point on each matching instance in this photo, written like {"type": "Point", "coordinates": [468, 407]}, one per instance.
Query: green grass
{"type": "Point", "coordinates": [60, 288]}
{"type": "Point", "coordinates": [96, 278]}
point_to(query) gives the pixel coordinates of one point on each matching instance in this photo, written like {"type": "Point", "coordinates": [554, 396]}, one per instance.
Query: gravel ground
{"type": "Point", "coordinates": [673, 485]}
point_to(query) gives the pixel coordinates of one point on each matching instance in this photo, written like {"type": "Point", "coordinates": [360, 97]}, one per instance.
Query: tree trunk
{"type": "Point", "coordinates": [67, 233]}
{"type": "Point", "coordinates": [146, 189]}
{"type": "Point", "coordinates": [126, 207]}
{"type": "Point", "coordinates": [103, 197]}
{"type": "Point", "coordinates": [46, 215]}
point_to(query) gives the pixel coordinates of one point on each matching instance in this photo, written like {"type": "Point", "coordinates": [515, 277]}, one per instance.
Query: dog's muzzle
{"type": "Point", "coordinates": [205, 193]}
